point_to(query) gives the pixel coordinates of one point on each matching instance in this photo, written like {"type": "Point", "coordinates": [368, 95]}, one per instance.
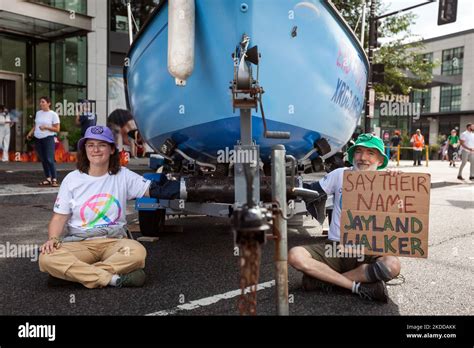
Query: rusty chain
{"type": "Point", "coordinates": [250, 253]}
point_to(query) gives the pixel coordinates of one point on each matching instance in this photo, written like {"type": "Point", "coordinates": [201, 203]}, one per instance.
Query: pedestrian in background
{"type": "Point", "coordinates": [418, 142]}
{"type": "Point", "coordinates": [85, 118]}
{"type": "Point", "coordinates": [5, 124]}
{"type": "Point", "coordinates": [467, 145]}
{"type": "Point", "coordinates": [394, 142]}
{"type": "Point", "coordinates": [453, 144]}
{"type": "Point", "coordinates": [45, 129]}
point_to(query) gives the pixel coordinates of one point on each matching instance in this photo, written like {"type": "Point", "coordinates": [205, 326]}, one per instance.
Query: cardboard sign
{"type": "Point", "coordinates": [386, 215]}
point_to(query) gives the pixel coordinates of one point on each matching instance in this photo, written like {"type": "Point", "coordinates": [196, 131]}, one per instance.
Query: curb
{"type": "Point", "coordinates": [34, 198]}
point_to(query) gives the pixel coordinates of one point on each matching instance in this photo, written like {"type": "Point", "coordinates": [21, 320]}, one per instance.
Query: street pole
{"type": "Point", "coordinates": [362, 32]}
{"type": "Point", "coordinates": [372, 44]}
{"type": "Point", "coordinates": [130, 23]}
{"type": "Point", "coordinates": [369, 97]}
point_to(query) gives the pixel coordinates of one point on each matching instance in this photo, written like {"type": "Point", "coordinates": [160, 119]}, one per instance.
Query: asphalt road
{"type": "Point", "coordinates": [195, 272]}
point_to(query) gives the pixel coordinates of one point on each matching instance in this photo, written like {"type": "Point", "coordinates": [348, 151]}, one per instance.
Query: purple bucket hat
{"type": "Point", "coordinates": [97, 133]}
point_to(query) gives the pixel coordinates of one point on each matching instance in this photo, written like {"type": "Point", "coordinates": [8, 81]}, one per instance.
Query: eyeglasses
{"type": "Point", "coordinates": [100, 147]}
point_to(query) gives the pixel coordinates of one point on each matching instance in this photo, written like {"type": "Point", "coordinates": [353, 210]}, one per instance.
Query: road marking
{"type": "Point", "coordinates": [210, 300]}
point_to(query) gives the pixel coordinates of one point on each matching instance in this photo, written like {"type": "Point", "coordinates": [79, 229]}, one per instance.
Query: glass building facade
{"type": "Point", "coordinates": [79, 6]}
{"type": "Point", "coordinates": [56, 69]}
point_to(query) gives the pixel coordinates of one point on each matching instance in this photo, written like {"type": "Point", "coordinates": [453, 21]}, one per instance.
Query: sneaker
{"type": "Point", "coordinates": [471, 178]}
{"type": "Point", "coordinates": [132, 280]}
{"type": "Point", "coordinates": [309, 283]}
{"type": "Point", "coordinates": [374, 291]}
{"type": "Point", "coordinates": [460, 177]}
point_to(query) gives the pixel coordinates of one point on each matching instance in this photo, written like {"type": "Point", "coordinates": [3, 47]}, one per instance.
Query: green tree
{"type": "Point", "coordinates": [405, 68]}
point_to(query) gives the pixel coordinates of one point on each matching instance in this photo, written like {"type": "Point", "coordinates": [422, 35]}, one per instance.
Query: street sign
{"type": "Point", "coordinates": [447, 11]}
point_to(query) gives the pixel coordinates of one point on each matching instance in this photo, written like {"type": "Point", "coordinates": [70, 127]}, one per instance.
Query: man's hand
{"type": "Point", "coordinates": [394, 172]}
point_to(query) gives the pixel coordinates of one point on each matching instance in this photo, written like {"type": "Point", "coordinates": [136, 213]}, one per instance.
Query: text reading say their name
{"type": "Point", "coordinates": [386, 214]}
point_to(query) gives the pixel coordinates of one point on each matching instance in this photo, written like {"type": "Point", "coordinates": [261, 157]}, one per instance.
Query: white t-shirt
{"type": "Point", "coordinates": [45, 118]}
{"type": "Point", "coordinates": [5, 120]}
{"type": "Point", "coordinates": [468, 138]}
{"type": "Point", "coordinates": [98, 201]}
{"type": "Point", "coordinates": [332, 184]}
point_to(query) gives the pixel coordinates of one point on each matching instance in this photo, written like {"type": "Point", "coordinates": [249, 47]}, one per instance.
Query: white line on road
{"type": "Point", "coordinates": [210, 300]}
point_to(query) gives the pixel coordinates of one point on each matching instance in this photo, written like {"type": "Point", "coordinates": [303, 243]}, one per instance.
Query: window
{"type": "Point", "coordinates": [452, 61]}
{"type": "Point", "coordinates": [69, 57]}
{"type": "Point", "coordinates": [140, 10]}
{"type": "Point", "coordinates": [450, 98]}
{"type": "Point", "coordinates": [79, 6]}
{"type": "Point", "coordinates": [423, 97]}
{"type": "Point", "coordinates": [13, 55]}
{"type": "Point", "coordinates": [427, 58]}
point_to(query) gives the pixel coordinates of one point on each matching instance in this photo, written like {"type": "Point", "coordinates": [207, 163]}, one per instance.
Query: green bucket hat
{"type": "Point", "coordinates": [371, 141]}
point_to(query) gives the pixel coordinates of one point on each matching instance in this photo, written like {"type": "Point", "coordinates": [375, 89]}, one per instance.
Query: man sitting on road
{"type": "Point", "coordinates": [364, 277]}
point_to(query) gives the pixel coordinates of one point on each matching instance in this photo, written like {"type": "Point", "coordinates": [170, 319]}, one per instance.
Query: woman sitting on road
{"type": "Point", "coordinates": [91, 204]}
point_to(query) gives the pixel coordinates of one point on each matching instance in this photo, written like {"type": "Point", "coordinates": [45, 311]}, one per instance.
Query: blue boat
{"type": "Point", "coordinates": [311, 67]}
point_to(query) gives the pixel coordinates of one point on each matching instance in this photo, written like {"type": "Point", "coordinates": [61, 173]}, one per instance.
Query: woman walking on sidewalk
{"type": "Point", "coordinates": [45, 129]}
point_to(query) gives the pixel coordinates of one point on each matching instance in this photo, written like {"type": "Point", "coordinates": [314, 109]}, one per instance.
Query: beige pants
{"type": "Point", "coordinates": [93, 262]}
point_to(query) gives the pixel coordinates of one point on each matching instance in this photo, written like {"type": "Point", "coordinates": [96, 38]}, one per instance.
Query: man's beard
{"type": "Point", "coordinates": [365, 167]}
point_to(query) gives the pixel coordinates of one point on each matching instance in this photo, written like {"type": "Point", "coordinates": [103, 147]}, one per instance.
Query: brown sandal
{"type": "Point", "coordinates": [55, 183]}
{"type": "Point", "coordinates": [45, 183]}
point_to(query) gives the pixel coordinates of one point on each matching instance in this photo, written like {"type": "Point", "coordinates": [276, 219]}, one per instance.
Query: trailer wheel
{"type": "Point", "coordinates": [151, 223]}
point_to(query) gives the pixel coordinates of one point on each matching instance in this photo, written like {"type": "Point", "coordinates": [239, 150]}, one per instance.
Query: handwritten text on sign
{"type": "Point", "coordinates": [388, 215]}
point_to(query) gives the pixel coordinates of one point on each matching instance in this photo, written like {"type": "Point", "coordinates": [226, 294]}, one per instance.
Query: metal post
{"type": "Point", "coordinates": [281, 243]}
{"type": "Point", "coordinates": [245, 127]}
{"type": "Point", "coordinates": [427, 150]}
{"type": "Point", "coordinates": [130, 24]}
{"type": "Point", "coordinates": [398, 156]}
{"type": "Point", "coordinates": [246, 145]}
{"type": "Point", "coordinates": [362, 32]}
{"type": "Point", "coordinates": [372, 43]}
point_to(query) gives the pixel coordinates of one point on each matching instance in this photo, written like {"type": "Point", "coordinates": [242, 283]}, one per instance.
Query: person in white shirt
{"type": "Point", "coordinates": [87, 234]}
{"type": "Point", "coordinates": [5, 124]}
{"type": "Point", "coordinates": [45, 129]}
{"type": "Point", "coordinates": [365, 277]}
{"type": "Point", "coordinates": [467, 154]}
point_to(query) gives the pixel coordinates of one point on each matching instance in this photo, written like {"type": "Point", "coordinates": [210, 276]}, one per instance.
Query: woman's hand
{"type": "Point", "coordinates": [49, 246]}
{"type": "Point", "coordinates": [43, 128]}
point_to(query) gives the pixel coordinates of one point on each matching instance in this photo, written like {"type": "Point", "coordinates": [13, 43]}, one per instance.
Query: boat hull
{"type": "Point", "coordinates": [312, 69]}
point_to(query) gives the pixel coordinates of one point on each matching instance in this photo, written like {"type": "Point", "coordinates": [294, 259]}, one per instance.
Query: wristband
{"type": "Point", "coordinates": [57, 241]}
